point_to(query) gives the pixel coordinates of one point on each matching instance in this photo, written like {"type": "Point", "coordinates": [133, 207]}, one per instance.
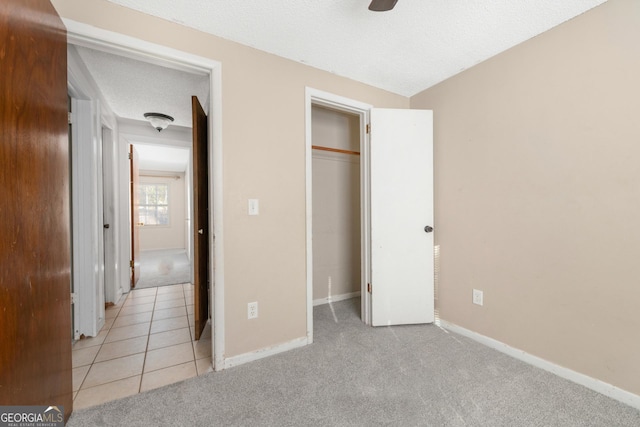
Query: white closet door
{"type": "Point", "coordinates": [401, 215]}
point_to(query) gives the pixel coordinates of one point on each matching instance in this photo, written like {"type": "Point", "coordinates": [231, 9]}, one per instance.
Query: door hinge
{"type": "Point", "coordinates": [368, 128]}
{"type": "Point", "coordinates": [369, 287]}
{"type": "Point", "coordinates": [131, 264]}
{"type": "Point", "coordinates": [129, 156]}
{"type": "Point", "coordinates": [74, 298]}
{"type": "Point", "coordinates": [69, 118]}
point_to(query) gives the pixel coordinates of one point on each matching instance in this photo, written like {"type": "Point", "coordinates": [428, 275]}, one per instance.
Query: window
{"type": "Point", "coordinates": [153, 204]}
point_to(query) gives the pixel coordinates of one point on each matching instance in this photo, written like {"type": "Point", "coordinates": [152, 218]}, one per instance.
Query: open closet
{"type": "Point", "coordinates": [336, 205]}
{"type": "Point", "coordinates": [370, 197]}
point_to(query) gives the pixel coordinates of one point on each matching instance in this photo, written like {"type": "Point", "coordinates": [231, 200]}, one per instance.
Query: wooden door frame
{"type": "Point", "coordinates": [361, 109]}
{"type": "Point", "coordinates": [95, 38]}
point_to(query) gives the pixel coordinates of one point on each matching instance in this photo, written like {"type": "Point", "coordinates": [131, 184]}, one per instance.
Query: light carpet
{"type": "Point", "coordinates": [163, 267]}
{"type": "Point", "coordinates": [355, 375]}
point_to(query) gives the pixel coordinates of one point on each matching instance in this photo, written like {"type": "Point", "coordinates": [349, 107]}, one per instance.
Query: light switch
{"type": "Point", "coordinates": [254, 207]}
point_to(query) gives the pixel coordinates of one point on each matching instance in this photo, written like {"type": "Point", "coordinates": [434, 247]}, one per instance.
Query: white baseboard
{"type": "Point", "coordinates": [299, 342]}
{"type": "Point", "coordinates": [264, 352]}
{"type": "Point", "coordinates": [335, 298]}
{"type": "Point", "coordinates": [601, 387]}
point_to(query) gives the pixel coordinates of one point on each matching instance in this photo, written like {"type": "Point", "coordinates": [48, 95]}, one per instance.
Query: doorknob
{"type": "Point", "coordinates": [428, 229]}
{"type": "Point", "coordinates": [106, 226]}
{"type": "Point", "coordinates": [201, 231]}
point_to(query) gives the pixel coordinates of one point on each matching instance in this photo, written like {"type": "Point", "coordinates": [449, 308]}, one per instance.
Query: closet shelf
{"type": "Point", "coordinates": [335, 150]}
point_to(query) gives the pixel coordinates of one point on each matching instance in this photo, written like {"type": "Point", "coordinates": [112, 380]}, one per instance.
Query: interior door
{"type": "Point", "coordinates": [134, 175]}
{"type": "Point", "coordinates": [35, 233]}
{"type": "Point", "coordinates": [401, 217]}
{"type": "Point", "coordinates": [108, 215]}
{"type": "Point", "coordinates": [201, 217]}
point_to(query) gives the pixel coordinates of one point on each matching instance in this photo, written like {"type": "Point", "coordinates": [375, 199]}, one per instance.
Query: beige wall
{"type": "Point", "coordinates": [263, 129]}
{"type": "Point", "coordinates": [336, 204]}
{"type": "Point", "coordinates": [537, 194]}
{"type": "Point", "coordinates": [173, 235]}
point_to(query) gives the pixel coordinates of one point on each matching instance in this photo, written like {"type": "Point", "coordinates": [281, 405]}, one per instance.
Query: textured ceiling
{"type": "Point", "coordinates": [132, 88]}
{"type": "Point", "coordinates": [406, 50]}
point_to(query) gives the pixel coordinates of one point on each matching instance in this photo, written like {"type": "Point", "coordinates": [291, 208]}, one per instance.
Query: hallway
{"type": "Point", "coordinates": [146, 343]}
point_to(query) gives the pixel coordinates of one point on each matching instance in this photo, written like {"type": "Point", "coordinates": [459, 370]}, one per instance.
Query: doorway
{"type": "Point", "coordinates": [164, 214]}
{"type": "Point", "coordinates": [133, 48]}
{"type": "Point", "coordinates": [336, 205]}
{"type": "Point", "coordinates": [396, 211]}
{"type": "Point", "coordinates": [355, 115]}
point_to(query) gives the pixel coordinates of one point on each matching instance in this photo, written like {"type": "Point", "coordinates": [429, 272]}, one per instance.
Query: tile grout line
{"type": "Point", "coordinates": [146, 348]}
{"type": "Point", "coordinates": [127, 299]}
{"type": "Point", "coordinates": [98, 352]}
{"type": "Point", "coordinates": [108, 382]}
{"type": "Point", "coordinates": [193, 350]}
{"type": "Point", "coordinates": [149, 337]}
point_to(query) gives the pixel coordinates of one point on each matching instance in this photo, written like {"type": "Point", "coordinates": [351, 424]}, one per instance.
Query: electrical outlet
{"type": "Point", "coordinates": [252, 310]}
{"type": "Point", "coordinates": [478, 297]}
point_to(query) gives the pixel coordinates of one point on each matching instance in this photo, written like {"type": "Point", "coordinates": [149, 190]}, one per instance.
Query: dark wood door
{"type": "Point", "coordinates": [134, 175]}
{"type": "Point", "coordinates": [35, 235]}
{"type": "Point", "coordinates": [201, 217]}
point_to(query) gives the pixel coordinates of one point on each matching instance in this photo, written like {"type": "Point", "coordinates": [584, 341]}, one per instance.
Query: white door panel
{"type": "Point", "coordinates": [401, 207]}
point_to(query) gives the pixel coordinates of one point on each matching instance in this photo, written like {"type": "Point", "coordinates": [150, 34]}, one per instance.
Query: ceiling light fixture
{"type": "Point", "coordinates": [159, 121]}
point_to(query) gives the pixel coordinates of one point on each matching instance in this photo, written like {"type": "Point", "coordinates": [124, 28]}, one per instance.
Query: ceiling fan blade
{"type": "Point", "coordinates": [382, 5]}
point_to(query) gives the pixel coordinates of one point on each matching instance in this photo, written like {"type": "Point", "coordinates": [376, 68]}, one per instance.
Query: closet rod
{"type": "Point", "coordinates": [335, 150]}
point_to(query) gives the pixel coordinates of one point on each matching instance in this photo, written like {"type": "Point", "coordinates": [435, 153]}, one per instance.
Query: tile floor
{"type": "Point", "coordinates": [146, 342]}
